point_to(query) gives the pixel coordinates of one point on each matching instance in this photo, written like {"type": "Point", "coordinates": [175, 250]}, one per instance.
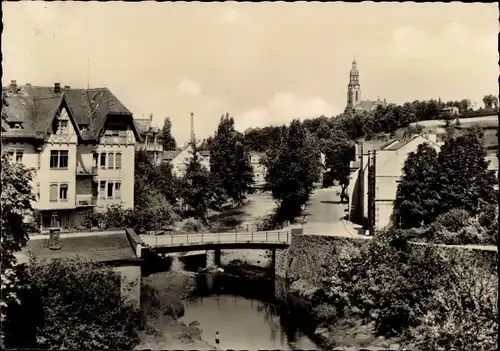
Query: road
{"type": "Point", "coordinates": [324, 214]}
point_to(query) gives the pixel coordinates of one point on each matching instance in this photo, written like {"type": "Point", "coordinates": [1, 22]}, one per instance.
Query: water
{"type": "Point", "coordinates": [246, 314]}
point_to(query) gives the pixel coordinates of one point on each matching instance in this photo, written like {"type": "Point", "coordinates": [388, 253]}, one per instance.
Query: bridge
{"type": "Point", "coordinates": [176, 242]}
{"type": "Point", "coordinates": [213, 243]}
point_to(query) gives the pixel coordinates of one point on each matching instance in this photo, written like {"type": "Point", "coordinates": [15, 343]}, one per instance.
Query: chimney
{"type": "Point", "coordinates": [192, 129]}
{"type": "Point", "coordinates": [57, 88]}
{"type": "Point", "coordinates": [67, 87]}
{"type": "Point", "coordinates": [13, 86]}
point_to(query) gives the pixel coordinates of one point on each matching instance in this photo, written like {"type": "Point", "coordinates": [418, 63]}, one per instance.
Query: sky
{"type": "Point", "coordinates": [264, 63]}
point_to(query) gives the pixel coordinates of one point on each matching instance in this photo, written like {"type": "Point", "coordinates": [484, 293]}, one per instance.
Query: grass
{"type": "Point", "coordinates": [98, 248]}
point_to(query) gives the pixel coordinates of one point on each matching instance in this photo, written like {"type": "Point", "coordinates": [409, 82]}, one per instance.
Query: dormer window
{"type": "Point", "coordinates": [15, 125]}
{"type": "Point", "coordinates": [84, 127]}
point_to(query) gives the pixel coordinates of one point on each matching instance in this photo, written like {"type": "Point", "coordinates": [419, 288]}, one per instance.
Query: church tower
{"type": "Point", "coordinates": [353, 89]}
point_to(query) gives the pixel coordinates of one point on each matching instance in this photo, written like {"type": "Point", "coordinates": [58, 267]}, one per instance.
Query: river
{"type": "Point", "coordinates": [246, 313]}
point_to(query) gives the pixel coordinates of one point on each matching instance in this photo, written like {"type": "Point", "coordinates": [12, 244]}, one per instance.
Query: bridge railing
{"type": "Point", "coordinates": [271, 237]}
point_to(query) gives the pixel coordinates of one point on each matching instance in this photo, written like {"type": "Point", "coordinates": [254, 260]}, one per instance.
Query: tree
{"type": "Point", "coordinates": [76, 304]}
{"type": "Point", "coordinates": [168, 140]}
{"type": "Point", "coordinates": [230, 160]}
{"type": "Point", "coordinates": [464, 179]}
{"type": "Point", "coordinates": [16, 201]}
{"type": "Point", "coordinates": [292, 170]}
{"type": "Point", "coordinates": [339, 154]}
{"type": "Point", "coordinates": [199, 189]}
{"type": "Point", "coordinates": [416, 195]}
{"type": "Point", "coordinates": [490, 101]}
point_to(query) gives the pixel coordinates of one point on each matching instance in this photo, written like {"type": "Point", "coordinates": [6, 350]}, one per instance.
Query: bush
{"type": "Point", "coordinates": [453, 220]}
{"type": "Point", "coordinates": [77, 305]}
{"type": "Point", "coordinates": [192, 225]}
{"type": "Point", "coordinates": [463, 313]}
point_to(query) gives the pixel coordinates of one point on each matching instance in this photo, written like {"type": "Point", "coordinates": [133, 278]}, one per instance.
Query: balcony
{"type": "Point", "coordinates": [84, 200]}
{"type": "Point", "coordinates": [89, 171]}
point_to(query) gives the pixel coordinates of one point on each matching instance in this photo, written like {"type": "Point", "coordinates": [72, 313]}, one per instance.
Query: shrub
{"type": "Point", "coordinates": [77, 305]}
{"type": "Point", "coordinates": [463, 313]}
{"type": "Point", "coordinates": [453, 220]}
{"type": "Point", "coordinates": [191, 225]}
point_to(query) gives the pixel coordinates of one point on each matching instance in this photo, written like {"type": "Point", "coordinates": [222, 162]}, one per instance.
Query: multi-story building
{"type": "Point", "coordinates": [81, 144]}
{"type": "Point", "coordinates": [259, 170]}
{"type": "Point", "coordinates": [152, 138]}
{"type": "Point", "coordinates": [387, 160]}
{"type": "Point", "coordinates": [180, 158]}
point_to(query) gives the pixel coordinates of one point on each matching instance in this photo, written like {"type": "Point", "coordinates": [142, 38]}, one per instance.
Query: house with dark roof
{"type": "Point", "coordinates": [180, 158]}
{"type": "Point", "coordinates": [152, 138]}
{"type": "Point", "coordinates": [81, 144]}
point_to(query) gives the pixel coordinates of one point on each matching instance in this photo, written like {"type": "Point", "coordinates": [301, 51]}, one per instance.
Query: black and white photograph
{"type": "Point", "coordinates": [249, 175]}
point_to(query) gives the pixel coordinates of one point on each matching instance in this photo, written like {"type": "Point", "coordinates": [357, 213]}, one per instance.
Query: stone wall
{"type": "Point", "coordinates": [312, 256]}
{"type": "Point", "coordinates": [130, 283]}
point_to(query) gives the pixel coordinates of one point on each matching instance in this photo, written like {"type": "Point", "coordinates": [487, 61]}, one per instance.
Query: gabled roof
{"type": "Point", "coordinates": [36, 107]}
{"type": "Point", "coordinates": [398, 144]}
{"type": "Point", "coordinates": [170, 155]}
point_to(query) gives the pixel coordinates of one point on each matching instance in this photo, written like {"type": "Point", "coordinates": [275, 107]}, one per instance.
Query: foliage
{"type": "Point", "coordinates": [16, 201]}
{"type": "Point", "coordinates": [230, 160]}
{"type": "Point", "coordinates": [463, 313]}
{"type": "Point", "coordinates": [76, 304]}
{"type": "Point", "coordinates": [292, 169]}
{"type": "Point", "coordinates": [339, 154]}
{"type": "Point", "coordinates": [262, 139]}
{"type": "Point", "coordinates": [200, 190]}
{"type": "Point", "coordinates": [416, 195]}
{"type": "Point", "coordinates": [168, 140]}
{"type": "Point", "coordinates": [490, 101]}
{"type": "Point", "coordinates": [464, 179]}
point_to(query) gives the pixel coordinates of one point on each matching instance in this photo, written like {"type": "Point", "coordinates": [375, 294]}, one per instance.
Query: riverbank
{"type": "Point", "coordinates": [161, 295]}
{"type": "Point", "coordinates": [386, 294]}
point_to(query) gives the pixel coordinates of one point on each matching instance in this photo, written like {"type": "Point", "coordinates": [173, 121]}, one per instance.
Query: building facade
{"type": "Point", "coordinates": [151, 138]}
{"type": "Point", "coordinates": [180, 158]}
{"type": "Point", "coordinates": [374, 181]}
{"type": "Point", "coordinates": [259, 170]}
{"type": "Point", "coordinates": [354, 101]}
{"type": "Point", "coordinates": [80, 143]}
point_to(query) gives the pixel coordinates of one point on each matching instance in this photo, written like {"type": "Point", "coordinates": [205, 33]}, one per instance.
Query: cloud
{"type": "Point", "coordinates": [189, 87]}
{"type": "Point", "coordinates": [456, 38]}
{"type": "Point", "coordinates": [282, 108]}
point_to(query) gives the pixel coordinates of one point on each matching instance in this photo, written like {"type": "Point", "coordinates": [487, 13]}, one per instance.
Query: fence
{"type": "Point", "coordinates": [172, 239]}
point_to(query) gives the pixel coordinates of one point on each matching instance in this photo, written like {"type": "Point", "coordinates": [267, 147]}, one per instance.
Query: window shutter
{"type": "Point", "coordinates": [53, 192]}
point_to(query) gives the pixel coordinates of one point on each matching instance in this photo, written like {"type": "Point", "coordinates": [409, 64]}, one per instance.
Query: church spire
{"type": "Point", "coordinates": [353, 88]}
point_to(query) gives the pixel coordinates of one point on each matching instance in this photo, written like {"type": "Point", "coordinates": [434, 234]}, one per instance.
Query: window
{"type": "Point", "coordinates": [96, 158]}
{"type": "Point", "coordinates": [53, 192]}
{"type": "Point", "coordinates": [118, 160]}
{"type": "Point", "coordinates": [118, 186]}
{"type": "Point", "coordinates": [11, 154]}
{"type": "Point", "coordinates": [103, 160]}
{"type": "Point", "coordinates": [19, 156]}
{"type": "Point", "coordinates": [102, 189]}
{"type": "Point", "coordinates": [84, 127]}
{"type": "Point", "coordinates": [38, 159]}
{"type": "Point", "coordinates": [59, 159]}
{"type": "Point", "coordinates": [357, 97]}
{"type": "Point", "coordinates": [38, 191]}
{"type": "Point", "coordinates": [111, 161]}
{"type": "Point", "coordinates": [62, 127]}
{"type": "Point", "coordinates": [63, 192]}
{"type": "Point", "coordinates": [110, 190]}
